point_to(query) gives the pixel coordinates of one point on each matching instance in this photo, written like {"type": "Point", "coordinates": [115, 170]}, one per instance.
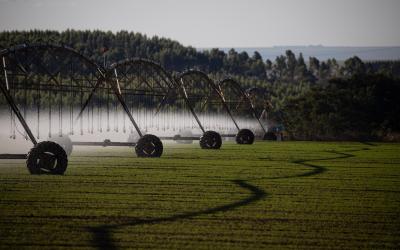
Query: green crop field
{"type": "Point", "coordinates": [270, 195]}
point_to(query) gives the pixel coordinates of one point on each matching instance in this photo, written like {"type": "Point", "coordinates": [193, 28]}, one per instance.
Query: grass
{"type": "Point", "coordinates": [276, 195]}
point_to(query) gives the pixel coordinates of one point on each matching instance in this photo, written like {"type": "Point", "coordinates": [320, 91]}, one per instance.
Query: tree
{"type": "Point", "coordinates": [353, 66]}
{"type": "Point", "coordinates": [291, 64]}
{"type": "Point", "coordinates": [256, 56]}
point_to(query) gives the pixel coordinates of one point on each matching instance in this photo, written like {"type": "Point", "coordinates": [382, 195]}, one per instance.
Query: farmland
{"type": "Point", "coordinates": [276, 195]}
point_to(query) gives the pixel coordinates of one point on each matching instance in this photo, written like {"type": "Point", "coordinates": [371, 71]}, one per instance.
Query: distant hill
{"type": "Point", "coordinates": [323, 53]}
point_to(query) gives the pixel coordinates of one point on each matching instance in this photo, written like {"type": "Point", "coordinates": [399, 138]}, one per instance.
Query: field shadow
{"type": "Point", "coordinates": [102, 238]}
{"type": "Point", "coordinates": [315, 169]}
{"type": "Point", "coordinates": [368, 143]}
{"type": "Point", "coordinates": [102, 235]}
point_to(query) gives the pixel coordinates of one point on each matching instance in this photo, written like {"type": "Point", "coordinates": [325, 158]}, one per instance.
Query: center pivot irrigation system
{"type": "Point", "coordinates": [55, 89]}
{"type": "Point", "coordinates": [204, 96]}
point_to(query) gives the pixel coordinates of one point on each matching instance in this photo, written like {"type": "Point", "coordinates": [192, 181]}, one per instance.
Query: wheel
{"type": "Point", "coordinates": [245, 136]}
{"type": "Point", "coordinates": [64, 141]}
{"type": "Point", "coordinates": [47, 157]}
{"type": "Point", "coordinates": [270, 136]}
{"type": "Point", "coordinates": [149, 146]}
{"type": "Point", "coordinates": [210, 140]}
{"type": "Point", "coordinates": [185, 133]}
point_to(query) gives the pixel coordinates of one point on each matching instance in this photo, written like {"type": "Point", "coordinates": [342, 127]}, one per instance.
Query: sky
{"type": "Point", "coordinates": [219, 23]}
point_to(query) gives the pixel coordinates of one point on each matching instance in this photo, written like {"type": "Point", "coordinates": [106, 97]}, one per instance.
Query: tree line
{"type": "Point", "coordinates": [99, 45]}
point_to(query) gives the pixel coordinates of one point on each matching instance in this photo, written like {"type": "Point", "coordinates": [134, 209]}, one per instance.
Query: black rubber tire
{"type": "Point", "coordinates": [47, 157]}
{"type": "Point", "coordinates": [245, 136]}
{"type": "Point", "coordinates": [270, 136]}
{"type": "Point", "coordinates": [210, 140]}
{"type": "Point", "coordinates": [149, 146]}
{"type": "Point", "coordinates": [64, 141]}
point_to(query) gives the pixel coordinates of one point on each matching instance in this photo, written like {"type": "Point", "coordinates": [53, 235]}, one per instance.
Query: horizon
{"type": "Point", "coordinates": [215, 47]}
{"type": "Point", "coordinates": [321, 52]}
